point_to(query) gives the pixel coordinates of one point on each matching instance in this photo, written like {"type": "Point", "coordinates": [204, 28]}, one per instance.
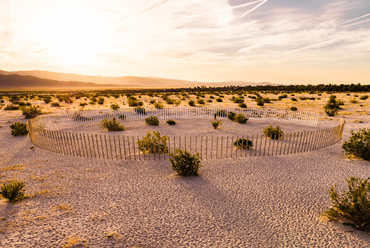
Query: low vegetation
{"type": "Point", "coordinates": [216, 123]}
{"type": "Point", "coordinates": [358, 144]}
{"type": "Point", "coordinates": [152, 120]}
{"type": "Point", "coordinates": [31, 111]}
{"type": "Point", "coordinates": [112, 125]}
{"type": "Point", "coordinates": [243, 143]}
{"type": "Point", "coordinates": [18, 128]}
{"type": "Point", "coordinates": [114, 106]}
{"type": "Point", "coordinates": [171, 122]}
{"type": "Point", "coordinates": [240, 118]}
{"type": "Point", "coordinates": [184, 163]}
{"type": "Point", "coordinates": [332, 106]}
{"type": "Point", "coordinates": [13, 191]}
{"type": "Point", "coordinates": [274, 133]}
{"type": "Point", "coordinates": [352, 205]}
{"type": "Point", "coordinates": [153, 142]}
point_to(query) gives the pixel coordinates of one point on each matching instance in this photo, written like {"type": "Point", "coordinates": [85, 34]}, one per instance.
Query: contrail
{"type": "Point", "coordinates": [244, 4]}
{"type": "Point", "coordinates": [143, 11]}
{"type": "Point", "coordinates": [355, 19]}
{"type": "Point", "coordinates": [315, 45]}
{"type": "Point", "coordinates": [246, 13]}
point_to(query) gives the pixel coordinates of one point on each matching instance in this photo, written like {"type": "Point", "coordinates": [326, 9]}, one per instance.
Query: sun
{"type": "Point", "coordinates": [76, 38]}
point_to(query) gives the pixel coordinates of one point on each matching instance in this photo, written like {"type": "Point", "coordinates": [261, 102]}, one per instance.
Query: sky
{"type": "Point", "coordinates": [277, 41]}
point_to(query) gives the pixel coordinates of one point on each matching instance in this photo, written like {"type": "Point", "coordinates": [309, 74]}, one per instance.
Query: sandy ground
{"type": "Point", "coordinates": [244, 202]}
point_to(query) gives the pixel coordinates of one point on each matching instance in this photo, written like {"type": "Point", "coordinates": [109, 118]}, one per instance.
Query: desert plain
{"type": "Point", "coordinates": [272, 201]}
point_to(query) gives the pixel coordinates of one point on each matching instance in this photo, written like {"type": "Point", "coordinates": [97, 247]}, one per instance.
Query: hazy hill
{"type": "Point", "coordinates": [126, 81]}
{"type": "Point", "coordinates": [19, 81]}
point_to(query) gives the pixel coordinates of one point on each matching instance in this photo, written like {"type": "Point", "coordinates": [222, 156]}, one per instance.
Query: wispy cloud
{"type": "Point", "coordinates": [355, 19]}
{"type": "Point", "coordinates": [262, 2]}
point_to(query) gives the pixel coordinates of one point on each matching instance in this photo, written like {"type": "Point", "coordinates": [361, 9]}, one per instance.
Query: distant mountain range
{"type": "Point", "coordinates": [47, 79]}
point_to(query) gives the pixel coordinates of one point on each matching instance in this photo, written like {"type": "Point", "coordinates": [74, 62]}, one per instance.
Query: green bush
{"type": "Point", "coordinates": [152, 120]}
{"type": "Point", "coordinates": [240, 118]}
{"type": "Point", "coordinates": [153, 143]}
{"type": "Point", "coordinates": [216, 123]}
{"type": "Point", "coordinates": [332, 106]}
{"type": "Point", "coordinates": [55, 104]}
{"type": "Point", "coordinates": [293, 109]}
{"type": "Point", "coordinates": [274, 133]}
{"type": "Point", "coordinates": [266, 100]}
{"type": "Point", "coordinates": [243, 143]}
{"type": "Point", "coordinates": [352, 205]}
{"type": "Point", "coordinates": [112, 125]}
{"type": "Point", "coordinates": [18, 128]}
{"type": "Point", "coordinates": [219, 100]}
{"type": "Point", "coordinates": [11, 107]}
{"type": "Point", "coordinates": [13, 191]}
{"type": "Point", "coordinates": [158, 105]}
{"type": "Point", "coordinates": [259, 102]}
{"type": "Point", "coordinates": [242, 105]}
{"type": "Point", "coordinates": [231, 116]}
{"type": "Point", "coordinates": [31, 111]}
{"type": "Point", "coordinates": [79, 117]}
{"type": "Point", "coordinates": [191, 103]}
{"type": "Point", "coordinates": [184, 163]}
{"type": "Point", "coordinates": [200, 101]}
{"type": "Point", "coordinates": [140, 110]}
{"type": "Point", "coordinates": [114, 106]}
{"type": "Point", "coordinates": [358, 144]}
{"type": "Point", "coordinates": [294, 99]}
{"type": "Point", "coordinates": [122, 117]}
{"type": "Point", "coordinates": [101, 100]}
{"type": "Point", "coordinates": [171, 122]}
{"type": "Point", "coordinates": [364, 97]}
{"type": "Point", "coordinates": [221, 113]}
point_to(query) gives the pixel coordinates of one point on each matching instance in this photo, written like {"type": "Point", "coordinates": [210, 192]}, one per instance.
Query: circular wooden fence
{"type": "Point", "coordinates": [45, 133]}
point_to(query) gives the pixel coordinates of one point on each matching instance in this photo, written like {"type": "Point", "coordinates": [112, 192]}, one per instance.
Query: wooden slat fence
{"type": "Point", "coordinates": [121, 147]}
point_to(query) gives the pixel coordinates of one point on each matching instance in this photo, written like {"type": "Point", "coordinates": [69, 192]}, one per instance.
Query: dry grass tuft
{"type": "Point", "coordinates": [13, 168]}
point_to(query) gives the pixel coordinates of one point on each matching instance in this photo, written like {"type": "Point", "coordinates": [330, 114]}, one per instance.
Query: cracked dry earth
{"type": "Point", "coordinates": [245, 202]}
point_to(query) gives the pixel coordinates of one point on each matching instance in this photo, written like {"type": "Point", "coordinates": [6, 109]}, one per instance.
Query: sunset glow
{"type": "Point", "coordinates": [283, 41]}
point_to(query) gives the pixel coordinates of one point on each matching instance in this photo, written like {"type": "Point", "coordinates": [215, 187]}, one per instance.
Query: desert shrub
{"type": "Point", "coordinates": [158, 105]}
{"type": "Point", "coordinates": [216, 123]}
{"type": "Point", "coordinates": [18, 128]}
{"type": "Point", "coordinates": [13, 191]}
{"type": "Point", "coordinates": [171, 122]}
{"type": "Point", "coordinates": [352, 205]}
{"type": "Point", "coordinates": [211, 97]}
{"type": "Point", "coordinates": [152, 120]}
{"type": "Point", "coordinates": [221, 113]}
{"type": "Point", "coordinates": [266, 100]}
{"type": "Point", "coordinates": [47, 99]}
{"type": "Point", "coordinates": [293, 99]}
{"type": "Point", "coordinates": [122, 117]}
{"type": "Point", "coordinates": [303, 98]}
{"type": "Point", "coordinates": [358, 144]}
{"type": "Point", "coordinates": [184, 163]}
{"type": "Point", "coordinates": [55, 104]}
{"type": "Point", "coordinates": [364, 97]}
{"type": "Point", "coordinates": [114, 106]}
{"type": "Point", "coordinates": [259, 102]}
{"type": "Point", "coordinates": [353, 100]}
{"type": "Point", "coordinates": [153, 143]}
{"type": "Point", "coordinates": [219, 100]}
{"type": "Point", "coordinates": [242, 105]}
{"type": "Point", "coordinates": [77, 116]}
{"type": "Point", "coordinates": [200, 101]}
{"type": "Point", "coordinates": [11, 107]}
{"type": "Point", "coordinates": [274, 133]}
{"type": "Point", "coordinates": [293, 108]}
{"type": "Point", "coordinates": [282, 96]}
{"type": "Point", "coordinates": [112, 125]}
{"type": "Point", "coordinates": [31, 111]}
{"type": "Point", "coordinates": [332, 106]}
{"type": "Point", "coordinates": [151, 101]}
{"type": "Point", "coordinates": [243, 143]}
{"type": "Point", "coordinates": [191, 103]}
{"type": "Point", "coordinates": [140, 110]}
{"type": "Point", "coordinates": [240, 118]}
{"type": "Point", "coordinates": [231, 116]}
{"type": "Point", "coordinates": [209, 100]}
